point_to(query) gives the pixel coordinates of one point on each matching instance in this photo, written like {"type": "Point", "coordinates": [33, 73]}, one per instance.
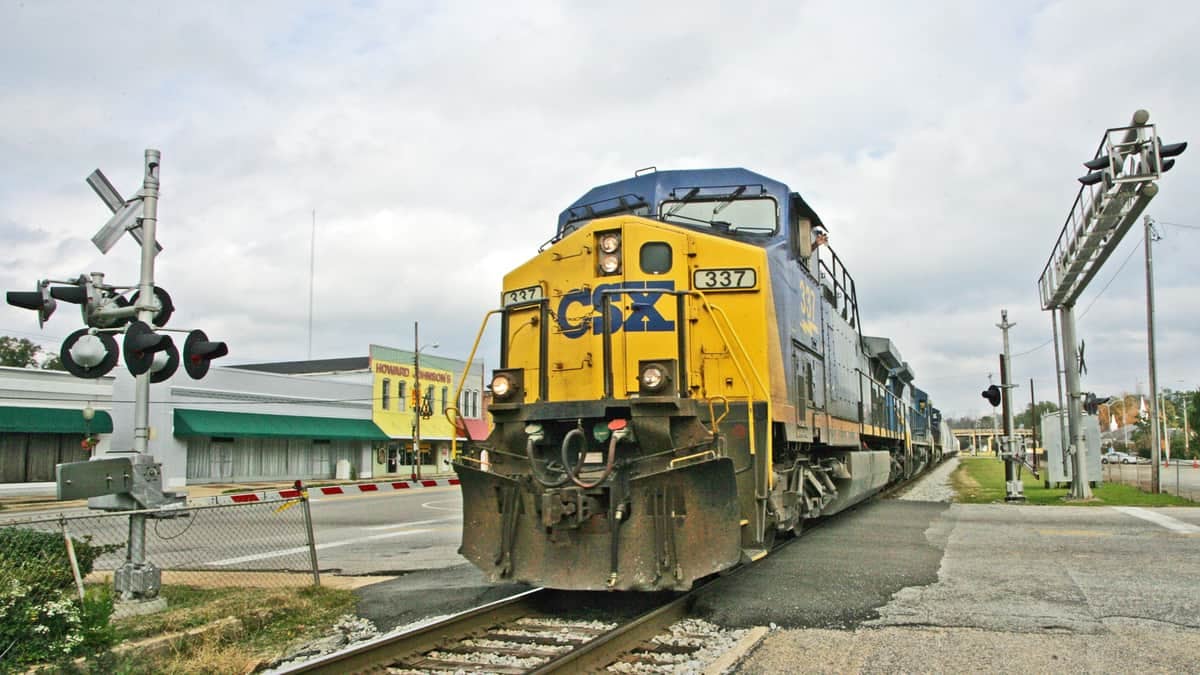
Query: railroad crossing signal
{"type": "Point", "coordinates": [992, 394]}
{"type": "Point", "coordinates": [127, 215]}
{"type": "Point", "coordinates": [93, 351]}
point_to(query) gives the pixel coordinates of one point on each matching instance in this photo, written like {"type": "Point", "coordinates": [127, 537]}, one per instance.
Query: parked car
{"type": "Point", "coordinates": [1118, 457]}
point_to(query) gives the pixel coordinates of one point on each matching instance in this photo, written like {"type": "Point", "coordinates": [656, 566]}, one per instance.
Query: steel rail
{"type": "Point", "coordinates": [595, 654]}
{"type": "Point", "coordinates": [383, 651]}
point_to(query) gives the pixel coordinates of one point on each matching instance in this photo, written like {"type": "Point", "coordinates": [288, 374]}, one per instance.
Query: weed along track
{"type": "Point", "coordinates": [546, 631]}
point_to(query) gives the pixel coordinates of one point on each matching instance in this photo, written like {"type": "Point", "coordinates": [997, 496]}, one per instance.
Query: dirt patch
{"type": "Point", "coordinates": [963, 483]}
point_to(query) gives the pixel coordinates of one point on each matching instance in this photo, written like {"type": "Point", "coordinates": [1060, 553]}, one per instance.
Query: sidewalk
{"type": "Point", "coordinates": [15, 497]}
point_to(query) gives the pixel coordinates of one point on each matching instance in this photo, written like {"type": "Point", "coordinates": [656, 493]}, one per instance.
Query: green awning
{"type": "Point", "coordinates": [254, 425]}
{"type": "Point", "coordinates": [52, 421]}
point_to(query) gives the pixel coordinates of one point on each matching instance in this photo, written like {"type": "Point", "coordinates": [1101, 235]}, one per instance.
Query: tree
{"type": "Point", "coordinates": [1032, 414]}
{"type": "Point", "coordinates": [18, 352]}
{"type": "Point", "coordinates": [53, 362]}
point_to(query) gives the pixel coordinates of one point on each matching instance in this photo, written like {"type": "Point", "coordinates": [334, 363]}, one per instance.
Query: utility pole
{"type": "Point", "coordinates": [1013, 490]}
{"type": "Point", "coordinates": [1155, 438]}
{"type": "Point", "coordinates": [419, 403]}
{"type": "Point", "coordinates": [312, 269]}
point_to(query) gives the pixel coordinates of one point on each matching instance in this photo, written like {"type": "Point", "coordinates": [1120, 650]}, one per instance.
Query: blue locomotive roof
{"type": "Point", "coordinates": [642, 193]}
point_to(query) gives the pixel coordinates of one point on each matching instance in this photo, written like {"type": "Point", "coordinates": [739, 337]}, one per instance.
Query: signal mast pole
{"type": "Point", "coordinates": [1013, 490]}
{"type": "Point", "coordinates": [149, 223]}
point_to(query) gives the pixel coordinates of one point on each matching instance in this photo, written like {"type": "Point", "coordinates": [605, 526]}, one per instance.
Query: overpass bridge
{"type": "Point", "coordinates": [985, 439]}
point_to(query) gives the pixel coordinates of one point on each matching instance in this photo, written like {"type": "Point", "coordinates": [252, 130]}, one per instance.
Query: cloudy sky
{"type": "Point", "coordinates": [437, 141]}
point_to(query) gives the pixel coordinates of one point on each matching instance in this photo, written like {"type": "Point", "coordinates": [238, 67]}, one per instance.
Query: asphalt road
{"type": "Point", "coordinates": [384, 534]}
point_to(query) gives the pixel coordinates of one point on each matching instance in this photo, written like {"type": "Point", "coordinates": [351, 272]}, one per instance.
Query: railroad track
{"type": "Point", "coordinates": [546, 631]}
{"type": "Point", "coordinates": [539, 631]}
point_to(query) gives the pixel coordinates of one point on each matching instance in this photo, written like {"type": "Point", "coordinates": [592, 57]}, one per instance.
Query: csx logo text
{"type": "Point", "coordinates": [644, 315]}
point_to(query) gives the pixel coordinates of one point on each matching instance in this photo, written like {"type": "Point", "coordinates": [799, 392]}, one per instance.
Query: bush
{"type": "Point", "coordinates": [41, 619]}
{"type": "Point", "coordinates": [40, 558]}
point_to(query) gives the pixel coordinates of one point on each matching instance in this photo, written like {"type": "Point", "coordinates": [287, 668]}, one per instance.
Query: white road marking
{"type": "Point", "coordinates": [303, 549]}
{"type": "Point", "coordinates": [1157, 518]}
{"type": "Point", "coordinates": [430, 505]}
{"type": "Point", "coordinates": [415, 522]}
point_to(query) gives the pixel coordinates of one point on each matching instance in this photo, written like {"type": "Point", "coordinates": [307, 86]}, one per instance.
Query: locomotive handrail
{"type": "Point", "coordinates": [712, 414]}
{"type": "Point", "coordinates": [463, 380]}
{"type": "Point", "coordinates": [899, 402]}
{"type": "Point", "coordinates": [715, 311]}
{"type": "Point", "coordinates": [680, 460]}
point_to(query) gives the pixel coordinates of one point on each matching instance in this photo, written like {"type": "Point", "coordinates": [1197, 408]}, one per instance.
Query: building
{"type": "Point", "coordinates": [311, 420]}
{"type": "Point", "coordinates": [349, 418]}
{"type": "Point", "coordinates": [395, 385]}
{"type": "Point", "coordinates": [42, 421]}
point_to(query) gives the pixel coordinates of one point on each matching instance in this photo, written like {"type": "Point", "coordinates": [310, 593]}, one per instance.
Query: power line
{"type": "Point", "coordinates": [1186, 227]}
{"type": "Point", "coordinates": [1135, 248]}
{"type": "Point", "coordinates": [1030, 351]}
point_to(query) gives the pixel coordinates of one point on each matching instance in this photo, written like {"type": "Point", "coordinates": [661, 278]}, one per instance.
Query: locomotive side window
{"type": "Point", "coordinates": [739, 216]}
{"type": "Point", "coordinates": [655, 257]}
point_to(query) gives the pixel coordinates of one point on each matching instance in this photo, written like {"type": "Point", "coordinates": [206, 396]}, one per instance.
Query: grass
{"type": "Point", "coordinates": [272, 620]}
{"type": "Point", "coordinates": [980, 480]}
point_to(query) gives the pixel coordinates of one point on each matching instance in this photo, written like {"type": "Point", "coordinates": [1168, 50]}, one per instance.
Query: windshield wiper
{"type": "Point", "coordinates": [732, 198]}
{"type": "Point", "coordinates": [686, 198]}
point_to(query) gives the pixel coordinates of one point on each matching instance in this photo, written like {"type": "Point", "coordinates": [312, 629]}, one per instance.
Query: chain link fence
{"type": "Point", "coordinates": [260, 544]}
{"type": "Point", "coordinates": [1179, 479]}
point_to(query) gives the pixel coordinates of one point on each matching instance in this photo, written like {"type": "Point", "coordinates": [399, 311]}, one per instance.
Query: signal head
{"type": "Point", "coordinates": [993, 395]}
{"type": "Point", "coordinates": [40, 300]}
{"type": "Point", "coordinates": [165, 307]}
{"type": "Point", "coordinates": [164, 364]}
{"type": "Point", "coordinates": [89, 356]}
{"type": "Point", "coordinates": [141, 343]}
{"type": "Point", "coordinates": [198, 351]}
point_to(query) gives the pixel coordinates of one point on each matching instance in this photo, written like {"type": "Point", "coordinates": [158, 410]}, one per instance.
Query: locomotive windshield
{"type": "Point", "coordinates": [739, 216]}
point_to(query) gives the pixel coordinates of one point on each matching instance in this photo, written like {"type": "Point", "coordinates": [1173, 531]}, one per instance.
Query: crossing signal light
{"type": "Point", "coordinates": [141, 344]}
{"type": "Point", "coordinates": [1169, 150]}
{"type": "Point", "coordinates": [1092, 403]}
{"type": "Point", "coordinates": [165, 364]}
{"type": "Point", "coordinates": [89, 355]}
{"type": "Point", "coordinates": [165, 306]}
{"type": "Point", "coordinates": [40, 300]}
{"type": "Point", "coordinates": [992, 394]}
{"type": "Point", "coordinates": [198, 351]}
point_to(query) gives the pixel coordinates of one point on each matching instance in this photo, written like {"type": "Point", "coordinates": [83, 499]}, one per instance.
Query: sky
{"type": "Point", "coordinates": [436, 143]}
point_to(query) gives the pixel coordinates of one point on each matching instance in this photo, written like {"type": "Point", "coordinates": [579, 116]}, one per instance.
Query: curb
{"type": "Point", "coordinates": [354, 489]}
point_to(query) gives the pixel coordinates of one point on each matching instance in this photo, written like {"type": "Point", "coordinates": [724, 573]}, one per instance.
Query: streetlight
{"type": "Point", "coordinates": [418, 407]}
{"type": "Point", "coordinates": [89, 414]}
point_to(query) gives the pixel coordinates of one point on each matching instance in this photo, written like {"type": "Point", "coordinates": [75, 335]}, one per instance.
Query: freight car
{"type": "Point", "coordinates": [682, 379]}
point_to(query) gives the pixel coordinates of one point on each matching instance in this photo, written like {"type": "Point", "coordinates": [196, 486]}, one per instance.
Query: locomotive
{"type": "Point", "coordinates": [682, 380]}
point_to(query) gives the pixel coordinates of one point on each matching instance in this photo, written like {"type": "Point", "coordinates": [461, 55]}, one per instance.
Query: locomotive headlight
{"type": "Point", "coordinates": [508, 385]}
{"type": "Point", "coordinates": [501, 386]}
{"type": "Point", "coordinates": [610, 242]}
{"type": "Point", "coordinates": [610, 263]}
{"type": "Point", "coordinates": [654, 377]}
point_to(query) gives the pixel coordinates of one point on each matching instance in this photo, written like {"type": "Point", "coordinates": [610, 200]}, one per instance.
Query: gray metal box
{"type": "Point", "coordinates": [78, 480]}
{"type": "Point", "coordinates": [1056, 471]}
